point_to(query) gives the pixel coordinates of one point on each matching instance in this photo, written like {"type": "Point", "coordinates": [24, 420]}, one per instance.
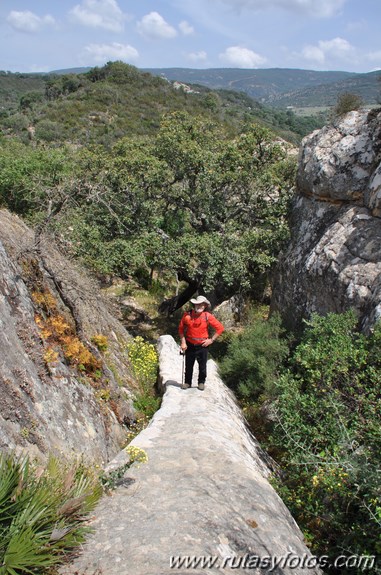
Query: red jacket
{"type": "Point", "coordinates": [195, 326]}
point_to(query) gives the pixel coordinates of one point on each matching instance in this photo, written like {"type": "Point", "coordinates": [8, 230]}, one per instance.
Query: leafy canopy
{"type": "Point", "coordinates": [190, 200]}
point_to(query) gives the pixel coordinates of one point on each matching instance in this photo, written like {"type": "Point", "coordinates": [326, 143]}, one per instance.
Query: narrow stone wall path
{"type": "Point", "coordinates": [203, 493]}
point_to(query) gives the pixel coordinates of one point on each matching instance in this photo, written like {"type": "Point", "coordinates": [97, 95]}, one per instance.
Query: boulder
{"type": "Point", "coordinates": [229, 311]}
{"type": "Point", "coordinates": [333, 261]}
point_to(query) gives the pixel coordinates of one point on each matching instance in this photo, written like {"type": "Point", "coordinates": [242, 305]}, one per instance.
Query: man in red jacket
{"type": "Point", "coordinates": [195, 339]}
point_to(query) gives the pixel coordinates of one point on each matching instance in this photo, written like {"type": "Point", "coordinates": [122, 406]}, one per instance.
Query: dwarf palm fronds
{"type": "Point", "coordinates": [42, 512]}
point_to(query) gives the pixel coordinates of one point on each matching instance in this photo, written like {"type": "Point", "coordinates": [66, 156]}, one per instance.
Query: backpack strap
{"type": "Point", "coordinates": [206, 315]}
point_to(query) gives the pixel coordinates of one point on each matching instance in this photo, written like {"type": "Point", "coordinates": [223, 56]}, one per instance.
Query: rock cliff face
{"type": "Point", "coordinates": [59, 392]}
{"type": "Point", "coordinates": [333, 261]}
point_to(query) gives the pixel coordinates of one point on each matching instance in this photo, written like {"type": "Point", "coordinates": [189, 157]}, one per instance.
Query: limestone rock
{"type": "Point", "coordinates": [48, 405]}
{"type": "Point", "coordinates": [229, 311]}
{"type": "Point", "coordinates": [333, 261]}
{"type": "Point", "coordinates": [338, 162]}
{"type": "Point", "coordinates": [203, 493]}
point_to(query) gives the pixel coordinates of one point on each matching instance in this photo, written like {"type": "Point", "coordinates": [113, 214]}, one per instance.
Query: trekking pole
{"type": "Point", "coordinates": [182, 367]}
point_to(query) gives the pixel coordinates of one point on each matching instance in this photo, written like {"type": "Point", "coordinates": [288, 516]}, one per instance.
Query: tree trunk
{"type": "Point", "coordinates": [169, 306]}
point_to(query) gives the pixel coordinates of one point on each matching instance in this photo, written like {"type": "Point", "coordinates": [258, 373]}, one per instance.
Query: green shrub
{"type": "Point", "coordinates": [42, 512]}
{"type": "Point", "coordinates": [328, 432]}
{"type": "Point", "coordinates": [323, 425]}
{"type": "Point", "coordinates": [48, 131]}
{"type": "Point", "coordinates": [17, 122]}
{"type": "Point", "coordinates": [347, 102]}
{"type": "Point", "coordinates": [254, 357]}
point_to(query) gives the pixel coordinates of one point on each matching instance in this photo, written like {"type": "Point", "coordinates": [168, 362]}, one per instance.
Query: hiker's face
{"type": "Point", "coordinates": [199, 308]}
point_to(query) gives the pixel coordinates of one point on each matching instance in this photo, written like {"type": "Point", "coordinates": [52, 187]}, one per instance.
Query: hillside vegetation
{"type": "Point", "coordinates": [14, 86]}
{"type": "Point", "coordinates": [102, 105]}
{"type": "Point", "coordinates": [366, 86]}
{"type": "Point", "coordinates": [314, 403]}
{"type": "Point", "coordinates": [282, 87]}
{"type": "Point", "coordinates": [257, 83]}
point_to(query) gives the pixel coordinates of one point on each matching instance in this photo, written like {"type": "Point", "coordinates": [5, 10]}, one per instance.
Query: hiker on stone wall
{"type": "Point", "coordinates": [195, 339]}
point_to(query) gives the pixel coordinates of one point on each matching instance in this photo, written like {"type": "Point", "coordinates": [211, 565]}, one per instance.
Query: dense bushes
{"type": "Point", "coordinates": [324, 429]}
{"type": "Point", "coordinates": [31, 179]}
{"type": "Point", "coordinates": [346, 102]}
{"type": "Point", "coordinates": [253, 359]}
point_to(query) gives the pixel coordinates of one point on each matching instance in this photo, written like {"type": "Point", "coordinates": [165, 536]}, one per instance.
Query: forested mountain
{"type": "Point", "coordinates": [366, 86]}
{"type": "Point", "coordinates": [274, 87]}
{"type": "Point", "coordinates": [104, 104]}
{"type": "Point", "coordinates": [145, 174]}
{"type": "Point", "coordinates": [14, 86]}
{"type": "Point", "coordinates": [282, 87]}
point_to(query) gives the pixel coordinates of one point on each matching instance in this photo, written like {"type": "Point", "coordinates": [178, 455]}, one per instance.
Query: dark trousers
{"type": "Point", "coordinates": [193, 353]}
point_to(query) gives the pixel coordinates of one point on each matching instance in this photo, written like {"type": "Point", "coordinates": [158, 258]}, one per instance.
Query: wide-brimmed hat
{"type": "Point", "coordinates": [200, 300]}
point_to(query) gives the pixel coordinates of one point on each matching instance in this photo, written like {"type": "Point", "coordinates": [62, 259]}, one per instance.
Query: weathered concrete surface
{"type": "Point", "coordinates": [203, 491]}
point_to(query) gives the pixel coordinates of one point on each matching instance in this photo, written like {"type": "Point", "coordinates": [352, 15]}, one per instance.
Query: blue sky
{"type": "Point", "coordinates": [41, 35]}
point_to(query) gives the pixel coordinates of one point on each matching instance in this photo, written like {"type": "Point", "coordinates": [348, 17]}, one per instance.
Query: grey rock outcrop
{"type": "Point", "coordinates": [203, 493]}
{"type": "Point", "coordinates": [229, 311]}
{"type": "Point", "coordinates": [333, 262]}
{"type": "Point", "coordinates": [48, 403]}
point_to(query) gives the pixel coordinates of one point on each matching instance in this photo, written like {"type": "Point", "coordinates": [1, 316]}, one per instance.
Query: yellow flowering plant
{"type": "Point", "coordinates": [143, 358]}
{"type": "Point", "coordinates": [136, 454]}
{"type": "Point", "coordinates": [144, 362]}
{"type": "Point", "coordinates": [113, 479]}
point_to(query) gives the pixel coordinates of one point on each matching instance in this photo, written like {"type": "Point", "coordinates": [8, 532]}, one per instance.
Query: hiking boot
{"type": "Point", "coordinates": [185, 386]}
{"type": "Point", "coordinates": [201, 386]}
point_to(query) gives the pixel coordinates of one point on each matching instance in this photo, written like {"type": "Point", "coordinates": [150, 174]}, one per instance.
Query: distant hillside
{"type": "Point", "coordinates": [367, 86]}
{"type": "Point", "coordinates": [261, 84]}
{"type": "Point", "coordinates": [13, 86]}
{"type": "Point", "coordinates": [281, 87]}
{"type": "Point", "coordinates": [276, 87]}
{"type": "Point", "coordinates": [105, 104]}
{"type": "Point", "coordinates": [71, 71]}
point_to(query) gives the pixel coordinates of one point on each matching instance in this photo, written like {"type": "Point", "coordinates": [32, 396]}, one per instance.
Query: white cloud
{"type": "Point", "coordinates": [337, 48]}
{"type": "Point", "coordinates": [318, 8]}
{"type": "Point", "coordinates": [186, 28]}
{"type": "Point", "coordinates": [197, 56]}
{"type": "Point", "coordinates": [375, 57]}
{"type": "Point", "coordinates": [99, 14]}
{"type": "Point", "coordinates": [28, 22]}
{"type": "Point", "coordinates": [154, 26]}
{"type": "Point", "coordinates": [313, 54]}
{"type": "Point", "coordinates": [239, 57]}
{"type": "Point", "coordinates": [102, 53]}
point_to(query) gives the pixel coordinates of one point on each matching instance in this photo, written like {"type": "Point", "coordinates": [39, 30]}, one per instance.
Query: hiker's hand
{"type": "Point", "coordinates": [183, 347]}
{"type": "Point", "coordinates": [207, 342]}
